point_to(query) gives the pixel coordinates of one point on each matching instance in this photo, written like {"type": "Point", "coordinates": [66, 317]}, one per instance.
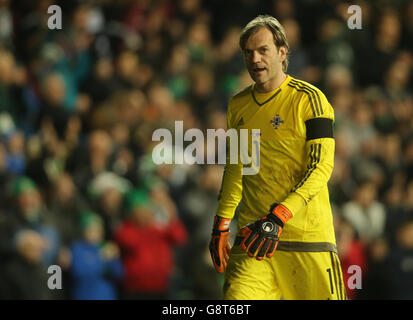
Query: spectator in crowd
{"type": "Point", "coordinates": [146, 246]}
{"type": "Point", "coordinates": [95, 266]}
{"type": "Point", "coordinates": [390, 273]}
{"type": "Point", "coordinates": [30, 212]}
{"type": "Point", "coordinates": [382, 48]}
{"type": "Point", "coordinates": [351, 252]}
{"type": "Point", "coordinates": [24, 276]}
{"type": "Point", "coordinates": [15, 159]}
{"type": "Point", "coordinates": [365, 213]}
{"type": "Point", "coordinates": [108, 190]}
{"type": "Point", "coordinates": [300, 61]}
{"type": "Point", "coordinates": [101, 83]}
{"type": "Point", "coordinates": [399, 264]}
{"type": "Point", "coordinates": [12, 82]}
{"type": "Point", "coordinates": [66, 204]}
{"type": "Point", "coordinates": [52, 110]}
{"type": "Point", "coordinates": [98, 150]}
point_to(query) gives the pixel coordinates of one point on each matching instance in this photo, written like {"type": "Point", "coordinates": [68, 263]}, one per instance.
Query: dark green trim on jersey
{"type": "Point", "coordinates": [317, 128]}
{"type": "Point", "coordinates": [315, 155]}
{"type": "Point", "coordinates": [304, 85]}
{"type": "Point", "coordinates": [312, 96]}
{"type": "Point", "coordinates": [269, 99]}
{"type": "Point", "coordinates": [308, 95]}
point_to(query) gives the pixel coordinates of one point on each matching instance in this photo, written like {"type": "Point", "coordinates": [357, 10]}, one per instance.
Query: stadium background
{"type": "Point", "coordinates": [78, 107]}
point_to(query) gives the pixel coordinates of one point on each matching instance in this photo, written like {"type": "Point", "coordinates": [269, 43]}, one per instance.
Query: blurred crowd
{"type": "Point", "coordinates": [78, 106]}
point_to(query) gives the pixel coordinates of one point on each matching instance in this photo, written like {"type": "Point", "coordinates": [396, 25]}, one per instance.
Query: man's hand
{"type": "Point", "coordinates": [219, 246]}
{"type": "Point", "coordinates": [262, 235]}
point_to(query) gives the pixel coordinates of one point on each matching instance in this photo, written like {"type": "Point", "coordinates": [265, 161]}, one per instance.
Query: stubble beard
{"type": "Point", "coordinates": [261, 81]}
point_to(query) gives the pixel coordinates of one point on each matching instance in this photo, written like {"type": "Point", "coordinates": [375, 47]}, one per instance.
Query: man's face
{"type": "Point", "coordinates": [262, 58]}
{"type": "Point", "coordinates": [29, 202]}
{"type": "Point", "coordinates": [94, 233]}
{"type": "Point", "coordinates": [142, 216]}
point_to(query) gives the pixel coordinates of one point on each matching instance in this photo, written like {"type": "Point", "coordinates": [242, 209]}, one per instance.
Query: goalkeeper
{"type": "Point", "coordinates": [285, 247]}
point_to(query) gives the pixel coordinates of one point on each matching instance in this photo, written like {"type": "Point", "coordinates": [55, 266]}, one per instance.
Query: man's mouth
{"type": "Point", "coordinates": [258, 70]}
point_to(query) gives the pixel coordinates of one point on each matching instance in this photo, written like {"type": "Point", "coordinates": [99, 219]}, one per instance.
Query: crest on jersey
{"type": "Point", "coordinates": [276, 121]}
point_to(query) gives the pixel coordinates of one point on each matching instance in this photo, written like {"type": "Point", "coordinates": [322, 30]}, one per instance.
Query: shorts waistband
{"type": "Point", "coordinates": [299, 246]}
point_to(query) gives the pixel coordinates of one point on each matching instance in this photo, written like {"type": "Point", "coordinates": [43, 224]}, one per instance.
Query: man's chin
{"type": "Point", "coordinates": [256, 77]}
{"type": "Point", "coordinates": [259, 80]}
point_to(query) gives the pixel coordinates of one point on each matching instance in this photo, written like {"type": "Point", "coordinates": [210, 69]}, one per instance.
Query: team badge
{"type": "Point", "coordinates": [276, 121]}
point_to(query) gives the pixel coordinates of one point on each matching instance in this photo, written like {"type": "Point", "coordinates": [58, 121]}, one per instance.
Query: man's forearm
{"type": "Point", "coordinates": [319, 168]}
{"type": "Point", "coordinates": [231, 191]}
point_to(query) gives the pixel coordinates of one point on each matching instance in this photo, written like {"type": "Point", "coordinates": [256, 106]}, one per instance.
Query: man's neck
{"type": "Point", "coordinates": [271, 85]}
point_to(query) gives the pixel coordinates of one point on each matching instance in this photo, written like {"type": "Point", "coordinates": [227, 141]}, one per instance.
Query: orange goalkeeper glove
{"type": "Point", "coordinates": [219, 246]}
{"type": "Point", "coordinates": [262, 235]}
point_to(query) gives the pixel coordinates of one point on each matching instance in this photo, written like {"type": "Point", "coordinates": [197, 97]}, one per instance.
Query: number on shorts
{"type": "Point", "coordinates": [331, 280]}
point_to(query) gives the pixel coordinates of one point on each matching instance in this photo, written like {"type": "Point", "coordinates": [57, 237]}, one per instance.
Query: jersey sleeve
{"type": "Point", "coordinates": [231, 187]}
{"type": "Point", "coordinates": [318, 116]}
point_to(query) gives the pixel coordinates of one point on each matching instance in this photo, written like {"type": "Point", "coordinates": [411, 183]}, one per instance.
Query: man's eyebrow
{"type": "Point", "coordinates": [265, 46]}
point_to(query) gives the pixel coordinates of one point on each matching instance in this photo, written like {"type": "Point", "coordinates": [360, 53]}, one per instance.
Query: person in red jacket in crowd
{"type": "Point", "coordinates": [352, 255]}
{"type": "Point", "coordinates": [147, 242]}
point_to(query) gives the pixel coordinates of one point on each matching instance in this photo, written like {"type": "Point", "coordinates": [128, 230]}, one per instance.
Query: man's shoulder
{"type": "Point", "coordinates": [304, 86]}
{"type": "Point", "coordinates": [239, 100]}
{"type": "Point", "coordinates": [242, 94]}
{"type": "Point", "coordinates": [311, 96]}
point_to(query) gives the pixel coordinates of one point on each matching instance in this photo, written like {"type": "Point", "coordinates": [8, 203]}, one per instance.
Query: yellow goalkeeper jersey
{"type": "Point", "coordinates": [296, 157]}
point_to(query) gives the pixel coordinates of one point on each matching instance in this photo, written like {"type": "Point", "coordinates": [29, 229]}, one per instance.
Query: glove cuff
{"type": "Point", "coordinates": [281, 212]}
{"type": "Point", "coordinates": [221, 224]}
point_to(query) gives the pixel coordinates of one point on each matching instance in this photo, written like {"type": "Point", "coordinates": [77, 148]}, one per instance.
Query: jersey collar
{"type": "Point", "coordinates": [268, 96]}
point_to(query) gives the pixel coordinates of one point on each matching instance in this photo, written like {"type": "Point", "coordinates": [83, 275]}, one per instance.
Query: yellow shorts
{"type": "Point", "coordinates": [287, 275]}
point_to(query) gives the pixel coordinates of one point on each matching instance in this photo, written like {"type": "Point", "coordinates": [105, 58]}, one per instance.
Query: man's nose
{"type": "Point", "coordinates": [255, 57]}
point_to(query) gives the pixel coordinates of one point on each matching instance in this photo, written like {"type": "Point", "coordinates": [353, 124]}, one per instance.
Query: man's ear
{"type": "Point", "coordinates": [283, 53]}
